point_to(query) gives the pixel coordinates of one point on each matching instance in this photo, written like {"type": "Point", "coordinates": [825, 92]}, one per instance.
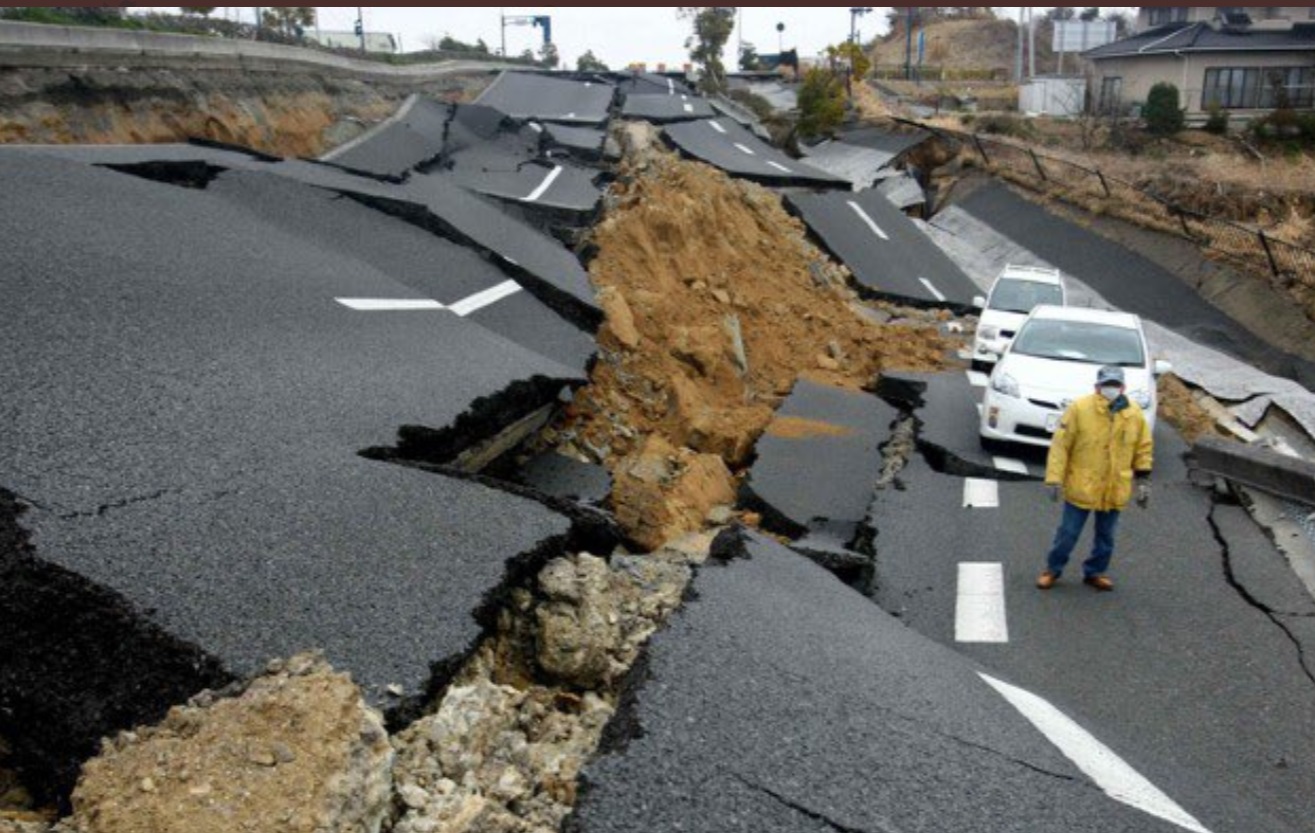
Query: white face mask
{"type": "Point", "coordinates": [1110, 392]}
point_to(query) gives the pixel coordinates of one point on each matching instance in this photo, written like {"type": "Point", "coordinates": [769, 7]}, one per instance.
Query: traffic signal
{"type": "Point", "coordinates": [360, 28]}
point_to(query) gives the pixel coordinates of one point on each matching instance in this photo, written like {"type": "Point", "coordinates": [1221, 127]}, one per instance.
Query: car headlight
{"type": "Point", "coordinates": [1005, 384]}
{"type": "Point", "coordinates": [1142, 398]}
{"type": "Point", "coordinates": [989, 333]}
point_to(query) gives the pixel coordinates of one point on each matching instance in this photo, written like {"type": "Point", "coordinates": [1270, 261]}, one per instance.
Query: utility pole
{"type": "Point", "coordinates": [360, 26]}
{"type": "Point", "coordinates": [1031, 44]}
{"type": "Point", "coordinates": [908, 44]}
{"type": "Point", "coordinates": [780, 38]}
{"type": "Point", "coordinates": [257, 23]}
{"type": "Point", "coordinates": [854, 15]}
{"type": "Point", "coordinates": [502, 17]}
{"type": "Point", "coordinates": [1018, 55]}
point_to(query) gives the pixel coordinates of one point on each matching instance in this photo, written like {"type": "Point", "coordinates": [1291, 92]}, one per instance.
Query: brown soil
{"type": "Point", "coordinates": [1181, 410]}
{"type": "Point", "coordinates": [687, 258]}
{"type": "Point", "coordinates": [798, 428]}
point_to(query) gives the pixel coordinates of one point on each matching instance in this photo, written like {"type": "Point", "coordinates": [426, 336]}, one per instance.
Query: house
{"type": "Point", "coordinates": [1246, 61]}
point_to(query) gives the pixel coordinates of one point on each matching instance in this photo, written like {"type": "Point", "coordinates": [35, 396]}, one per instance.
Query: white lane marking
{"type": "Point", "coordinates": [718, 127]}
{"type": "Point", "coordinates": [747, 150]}
{"type": "Point", "coordinates": [979, 608]}
{"type": "Point", "coordinates": [1009, 464]}
{"type": "Point", "coordinates": [684, 98]}
{"type": "Point", "coordinates": [570, 115]}
{"type": "Point", "coordinates": [536, 127]}
{"type": "Point", "coordinates": [1098, 762]}
{"type": "Point", "coordinates": [780, 167]}
{"type": "Point", "coordinates": [388, 304]}
{"type": "Point", "coordinates": [966, 355]}
{"type": "Point", "coordinates": [872, 224]}
{"type": "Point", "coordinates": [480, 300]}
{"type": "Point", "coordinates": [671, 87]}
{"type": "Point", "coordinates": [936, 293]}
{"type": "Point", "coordinates": [545, 185]}
{"type": "Point", "coordinates": [979, 410]}
{"type": "Point", "coordinates": [689, 108]}
{"type": "Point", "coordinates": [977, 379]}
{"type": "Point", "coordinates": [981, 494]}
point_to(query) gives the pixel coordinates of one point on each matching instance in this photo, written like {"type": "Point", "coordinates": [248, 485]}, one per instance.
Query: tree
{"type": "Point", "coordinates": [1089, 14]}
{"type": "Point", "coordinates": [821, 103]}
{"type": "Point", "coordinates": [588, 62]}
{"type": "Point", "coordinates": [749, 61]}
{"type": "Point", "coordinates": [712, 28]}
{"type": "Point", "coordinates": [527, 56]}
{"type": "Point", "coordinates": [1162, 114]}
{"type": "Point", "coordinates": [290, 20]}
{"type": "Point", "coordinates": [204, 11]}
{"type": "Point", "coordinates": [548, 55]}
{"type": "Point", "coordinates": [1122, 25]}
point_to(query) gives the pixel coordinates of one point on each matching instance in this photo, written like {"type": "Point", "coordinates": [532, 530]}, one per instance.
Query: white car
{"type": "Point", "coordinates": [1013, 295]}
{"type": "Point", "coordinates": [1053, 360]}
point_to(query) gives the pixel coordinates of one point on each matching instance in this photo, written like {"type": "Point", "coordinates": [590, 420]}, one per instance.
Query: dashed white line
{"type": "Point", "coordinates": [1098, 762]}
{"type": "Point", "coordinates": [872, 224]}
{"type": "Point", "coordinates": [778, 166]}
{"type": "Point", "coordinates": [689, 108]}
{"type": "Point", "coordinates": [536, 127]}
{"type": "Point", "coordinates": [978, 379]}
{"type": "Point", "coordinates": [480, 300]}
{"type": "Point", "coordinates": [671, 87]}
{"type": "Point", "coordinates": [389, 304]}
{"type": "Point", "coordinates": [981, 494]}
{"type": "Point", "coordinates": [979, 608]}
{"type": "Point", "coordinates": [936, 293]}
{"type": "Point", "coordinates": [1010, 465]}
{"type": "Point", "coordinates": [745, 149]}
{"type": "Point", "coordinates": [718, 127]}
{"type": "Point", "coordinates": [545, 185]}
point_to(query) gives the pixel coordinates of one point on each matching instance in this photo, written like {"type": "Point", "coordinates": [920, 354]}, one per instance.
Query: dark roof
{"type": "Point", "coordinates": [1202, 37]}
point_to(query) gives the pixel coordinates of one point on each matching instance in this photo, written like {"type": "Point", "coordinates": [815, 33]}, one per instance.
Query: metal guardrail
{"type": "Point", "coordinates": [1288, 263]}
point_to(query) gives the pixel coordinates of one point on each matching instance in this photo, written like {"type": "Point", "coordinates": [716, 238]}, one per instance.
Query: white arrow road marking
{"type": "Point", "coordinates": [872, 224]}
{"type": "Point", "coordinates": [480, 300]}
{"type": "Point", "coordinates": [780, 167]}
{"type": "Point", "coordinates": [1098, 762]}
{"type": "Point", "coordinates": [979, 609]}
{"type": "Point", "coordinates": [747, 150]}
{"type": "Point", "coordinates": [981, 494]}
{"type": "Point", "coordinates": [545, 185]}
{"type": "Point", "coordinates": [1009, 464]}
{"type": "Point", "coordinates": [388, 304]}
{"type": "Point", "coordinates": [936, 293]}
{"type": "Point", "coordinates": [718, 127]}
{"type": "Point", "coordinates": [978, 379]}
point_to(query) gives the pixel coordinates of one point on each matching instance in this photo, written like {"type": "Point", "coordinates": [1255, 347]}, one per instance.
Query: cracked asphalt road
{"type": "Point", "coordinates": [1194, 670]}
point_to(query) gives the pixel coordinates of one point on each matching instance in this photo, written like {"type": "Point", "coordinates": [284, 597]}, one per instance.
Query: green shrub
{"type": "Point", "coordinates": [1162, 114]}
{"type": "Point", "coordinates": [821, 103]}
{"type": "Point", "coordinates": [1217, 121]}
{"type": "Point", "coordinates": [1002, 124]}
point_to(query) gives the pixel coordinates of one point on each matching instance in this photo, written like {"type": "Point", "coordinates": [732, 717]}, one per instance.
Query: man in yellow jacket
{"type": "Point", "coordinates": [1103, 444]}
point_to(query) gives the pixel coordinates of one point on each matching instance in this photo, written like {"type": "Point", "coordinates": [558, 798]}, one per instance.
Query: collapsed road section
{"type": "Point", "coordinates": [185, 404]}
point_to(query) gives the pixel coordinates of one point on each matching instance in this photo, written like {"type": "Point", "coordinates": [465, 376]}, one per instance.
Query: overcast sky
{"type": "Point", "coordinates": [617, 35]}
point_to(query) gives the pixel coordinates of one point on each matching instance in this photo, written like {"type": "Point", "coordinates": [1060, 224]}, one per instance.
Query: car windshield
{"type": "Point", "coordinates": [1080, 341]}
{"type": "Point", "coordinates": [1021, 296]}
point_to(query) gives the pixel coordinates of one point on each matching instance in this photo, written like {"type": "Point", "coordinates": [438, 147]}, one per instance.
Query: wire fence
{"type": "Point", "coordinates": [1287, 263]}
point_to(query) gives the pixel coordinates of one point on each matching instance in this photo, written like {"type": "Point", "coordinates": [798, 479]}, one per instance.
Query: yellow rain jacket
{"type": "Point", "coordinates": [1096, 451]}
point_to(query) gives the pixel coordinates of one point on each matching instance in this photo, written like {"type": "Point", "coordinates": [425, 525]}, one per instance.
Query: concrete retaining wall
{"type": "Point", "coordinates": [39, 45]}
{"type": "Point", "coordinates": [1258, 467]}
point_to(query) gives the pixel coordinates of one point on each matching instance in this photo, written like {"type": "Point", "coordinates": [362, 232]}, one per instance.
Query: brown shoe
{"type": "Point", "coordinates": [1046, 580]}
{"type": "Point", "coordinates": [1101, 583]}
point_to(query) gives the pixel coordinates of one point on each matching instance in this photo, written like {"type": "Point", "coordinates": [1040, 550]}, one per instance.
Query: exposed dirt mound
{"type": "Point", "coordinates": [963, 44]}
{"type": "Point", "coordinates": [716, 302]}
{"type": "Point", "coordinates": [1183, 412]}
{"type": "Point", "coordinates": [290, 114]}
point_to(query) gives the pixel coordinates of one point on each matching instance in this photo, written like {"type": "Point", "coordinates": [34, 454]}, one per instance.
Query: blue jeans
{"type": "Point", "coordinates": [1066, 538]}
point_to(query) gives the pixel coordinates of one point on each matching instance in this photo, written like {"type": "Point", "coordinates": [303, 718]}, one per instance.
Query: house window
{"type": "Point", "coordinates": [1255, 88]}
{"type": "Point", "coordinates": [1160, 15]}
{"type": "Point", "coordinates": [1111, 93]}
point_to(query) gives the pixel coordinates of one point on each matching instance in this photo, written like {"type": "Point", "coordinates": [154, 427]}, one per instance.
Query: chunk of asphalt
{"type": "Point", "coordinates": [409, 138]}
{"type": "Point", "coordinates": [565, 477]}
{"type": "Point", "coordinates": [526, 95]}
{"type": "Point", "coordinates": [818, 460]}
{"type": "Point", "coordinates": [889, 257]}
{"type": "Point", "coordinates": [724, 144]}
{"type": "Point", "coordinates": [185, 404]}
{"type": "Point", "coordinates": [780, 698]}
{"type": "Point", "coordinates": [1261, 468]}
{"type": "Point", "coordinates": [945, 406]}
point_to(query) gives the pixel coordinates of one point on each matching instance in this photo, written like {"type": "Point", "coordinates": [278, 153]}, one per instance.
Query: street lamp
{"type": "Point", "coordinates": [780, 27]}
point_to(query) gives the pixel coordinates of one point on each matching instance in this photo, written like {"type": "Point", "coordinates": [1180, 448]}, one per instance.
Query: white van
{"type": "Point", "coordinates": [1013, 295]}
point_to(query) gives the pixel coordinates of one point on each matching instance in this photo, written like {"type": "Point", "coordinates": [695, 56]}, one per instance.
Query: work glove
{"type": "Point", "coordinates": [1054, 490]}
{"type": "Point", "coordinates": [1143, 494]}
